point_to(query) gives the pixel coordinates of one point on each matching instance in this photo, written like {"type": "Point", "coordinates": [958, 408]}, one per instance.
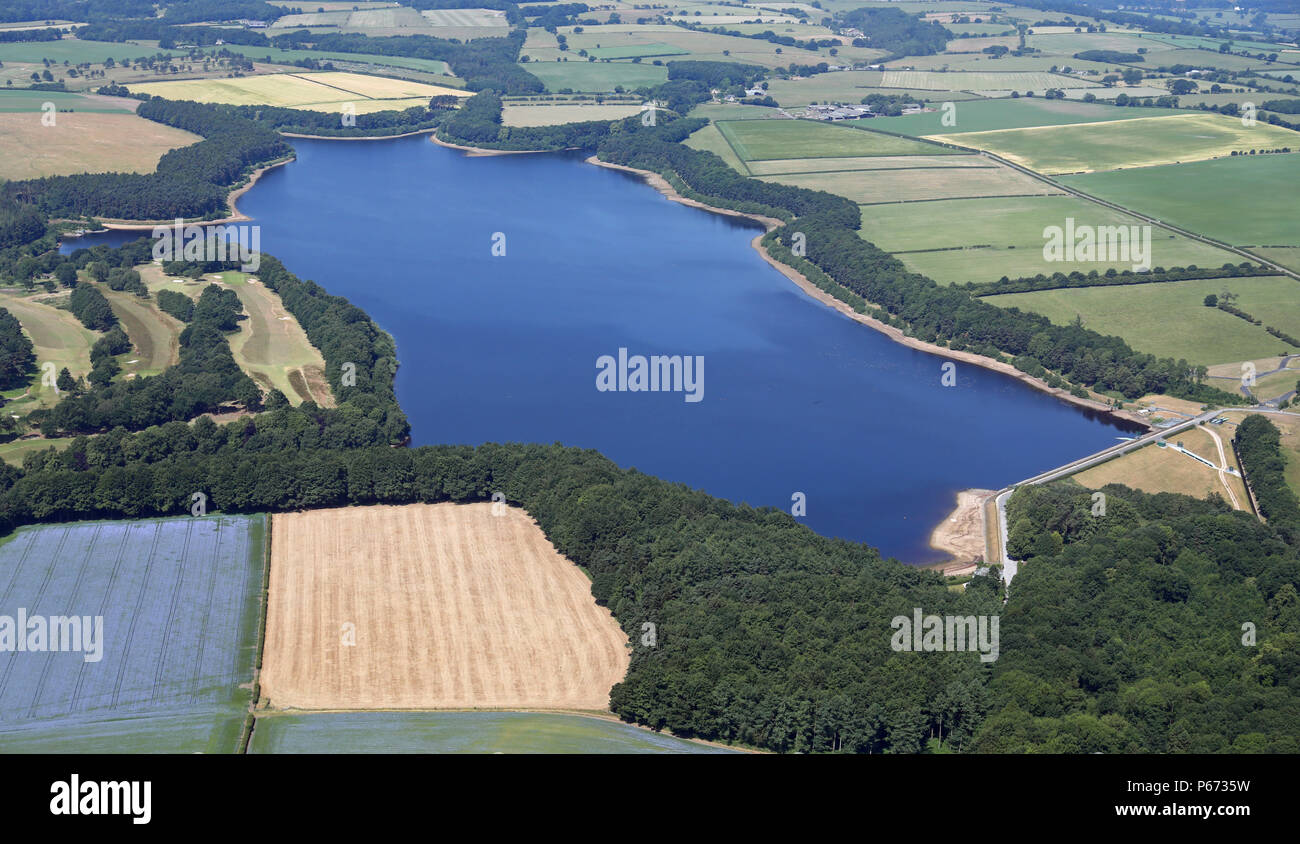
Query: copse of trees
{"type": "Point", "coordinates": [17, 360]}
{"type": "Point", "coordinates": [177, 304]}
{"type": "Point", "coordinates": [91, 308]}
{"type": "Point", "coordinates": [716, 74]}
{"type": "Point", "coordinates": [900, 33]}
{"type": "Point", "coordinates": [1259, 448]}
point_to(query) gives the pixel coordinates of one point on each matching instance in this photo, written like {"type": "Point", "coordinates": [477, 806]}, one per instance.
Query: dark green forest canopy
{"type": "Point", "coordinates": [1168, 624]}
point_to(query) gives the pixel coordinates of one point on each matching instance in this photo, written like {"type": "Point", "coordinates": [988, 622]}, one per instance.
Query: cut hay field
{"type": "Point", "coordinates": [1141, 142]}
{"type": "Point", "coordinates": [449, 606]}
{"type": "Point", "coordinates": [870, 187]}
{"type": "Point", "coordinates": [181, 605]}
{"type": "Point", "coordinates": [1020, 113]}
{"type": "Point", "coordinates": [31, 101]}
{"type": "Point", "coordinates": [81, 142]}
{"type": "Point", "coordinates": [596, 77]}
{"type": "Point", "coordinates": [1254, 202]}
{"type": "Point", "coordinates": [780, 166]}
{"type": "Point", "coordinates": [985, 239]}
{"type": "Point", "coordinates": [930, 80]}
{"type": "Point", "coordinates": [458, 732]}
{"type": "Point", "coordinates": [1153, 469]}
{"type": "Point", "coordinates": [327, 91]}
{"type": "Point", "coordinates": [278, 56]}
{"type": "Point", "coordinates": [516, 114]}
{"type": "Point", "coordinates": [272, 347]}
{"type": "Point", "coordinates": [757, 140]}
{"type": "Point", "coordinates": [1170, 320]}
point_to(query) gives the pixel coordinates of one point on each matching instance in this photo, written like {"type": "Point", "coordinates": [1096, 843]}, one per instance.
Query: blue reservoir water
{"type": "Point", "coordinates": [797, 398]}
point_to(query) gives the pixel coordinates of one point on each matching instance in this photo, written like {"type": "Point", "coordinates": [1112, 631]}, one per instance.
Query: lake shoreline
{"type": "Point", "coordinates": [896, 334]}
{"type": "Point", "coordinates": [236, 216]}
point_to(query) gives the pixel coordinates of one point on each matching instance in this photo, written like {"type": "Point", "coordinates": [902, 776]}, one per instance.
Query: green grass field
{"type": "Point", "coordinates": [14, 451]}
{"type": "Point", "coordinates": [767, 139]}
{"type": "Point", "coordinates": [1170, 320]}
{"type": "Point", "coordinates": [180, 600]}
{"type": "Point", "coordinates": [630, 51]}
{"type": "Point", "coordinates": [1007, 237]}
{"type": "Point", "coordinates": [596, 77]}
{"type": "Point", "coordinates": [57, 337]}
{"type": "Point", "coordinates": [76, 51]}
{"type": "Point", "coordinates": [1024, 112]}
{"type": "Point", "coordinates": [154, 334]}
{"type": "Point", "coordinates": [1238, 200]}
{"type": "Point", "coordinates": [272, 347]}
{"type": "Point", "coordinates": [1143, 142]}
{"type": "Point", "coordinates": [458, 732]}
{"type": "Point", "coordinates": [710, 139]}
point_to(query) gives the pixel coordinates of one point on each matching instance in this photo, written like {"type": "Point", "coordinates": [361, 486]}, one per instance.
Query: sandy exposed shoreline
{"type": "Point", "coordinates": [961, 534]}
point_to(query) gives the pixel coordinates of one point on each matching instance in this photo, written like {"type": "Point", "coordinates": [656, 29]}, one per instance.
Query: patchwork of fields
{"type": "Point", "coordinates": [180, 601]}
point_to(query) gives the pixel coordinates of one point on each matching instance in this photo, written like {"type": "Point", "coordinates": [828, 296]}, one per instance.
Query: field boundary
{"type": "Point", "coordinates": [250, 719]}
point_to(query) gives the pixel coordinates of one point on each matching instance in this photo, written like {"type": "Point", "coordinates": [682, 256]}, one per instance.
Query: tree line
{"type": "Point", "coordinates": [1258, 444]}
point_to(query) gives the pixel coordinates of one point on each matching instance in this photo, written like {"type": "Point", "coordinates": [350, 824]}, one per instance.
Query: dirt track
{"type": "Point", "coordinates": [453, 607]}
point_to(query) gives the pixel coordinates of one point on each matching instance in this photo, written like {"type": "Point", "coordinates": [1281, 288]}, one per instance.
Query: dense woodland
{"type": "Point", "coordinates": [17, 361]}
{"type": "Point", "coordinates": [1124, 631]}
{"type": "Point", "coordinates": [1258, 446]}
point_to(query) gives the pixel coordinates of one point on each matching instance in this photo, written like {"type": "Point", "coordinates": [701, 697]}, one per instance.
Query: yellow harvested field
{"type": "Point", "coordinates": [83, 142]}
{"type": "Point", "coordinates": [331, 91]}
{"type": "Point", "coordinates": [432, 606]}
{"type": "Point", "coordinates": [1154, 469]}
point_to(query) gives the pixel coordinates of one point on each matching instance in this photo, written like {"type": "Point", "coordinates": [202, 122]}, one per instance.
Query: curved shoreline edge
{"type": "Point", "coordinates": [661, 184]}
{"type": "Point", "coordinates": [235, 216]}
